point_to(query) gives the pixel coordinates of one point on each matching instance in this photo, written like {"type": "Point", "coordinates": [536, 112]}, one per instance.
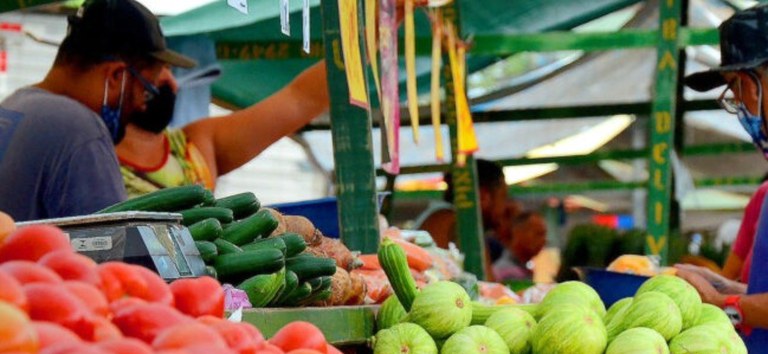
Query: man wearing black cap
{"type": "Point", "coordinates": [744, 51]}
{"type": "Point", "coordinates": [56, 137]}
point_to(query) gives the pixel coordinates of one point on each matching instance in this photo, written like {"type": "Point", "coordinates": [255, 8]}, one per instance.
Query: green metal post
{"type": "Point", "coordinates": [352, 144]}
{"type": "Point", "coordinates": [662, 130]}
{"type": "Point", "coordinates": [469, 223]}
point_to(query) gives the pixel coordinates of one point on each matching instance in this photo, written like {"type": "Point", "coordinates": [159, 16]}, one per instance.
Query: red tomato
{"type": "Point", "coordinates": [158, 290]}
{"type": "Point", "coordinates": [49, 333]}
{"type": "Point", "coordinates": [209, 320]}
{"type": "Point", "coordinates": [198, 297]}
{"type": "Point", "coordinates": [121, 279]}
{"type": "Point", "coordinates": [72, 348]}
{"type": "Point", "coordinates": [72, 266]}
{"type": "Point", "coordinates": [27, 272]}
{"type": "Point", "coordinates": [271, 349]}
{"type": "Point", "coordinates": [124, 346]}
{"type": "Point", "coordinates": [299, 335]}
{"type": "Point", "coordinates": [187, 334]}
{"type": "Point", "coordinates": [332, 350]}
{"type": "Point", "coordinates": [93, 299]}
{"type": "Point", "coordinates": [16, 331]}
{"type": "Point", "coordinates": [243, 338]}
{"type": "Point", "coordinates": [208, 349]}
{"type": "Point", "coordinates": [146, 321]}
{"type": "Point", "coordinates": [305, 351]}
{"type": "Point", "coordinates": [103, 329]}
{"type": "Point", "coordinates": [53, 303]}
{"type": "Point", "coordinates": [12, 292]}
{"type": "Point", "coordinates": [30, 243]}
{"type": "Point", "coordinates": [124, 304]}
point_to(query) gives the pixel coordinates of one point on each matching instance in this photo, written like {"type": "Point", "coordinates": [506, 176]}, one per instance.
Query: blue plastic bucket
{"type": "Point", "coordinates": [611, 286]}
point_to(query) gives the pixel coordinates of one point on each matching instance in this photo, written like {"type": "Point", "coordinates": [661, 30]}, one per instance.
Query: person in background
{"type": "Point", "coordinates": [740, 258]}
{"type": "Point", "coordinates": [743, 72]}
{"type": "Point", "coordinates": [528, 236]}
{"type": "Point", "coordinates": [57, 137]}
{"type": "Point", "coordinates": [440, 218]}
{"type": "Point", "coordinates": [153, 157]}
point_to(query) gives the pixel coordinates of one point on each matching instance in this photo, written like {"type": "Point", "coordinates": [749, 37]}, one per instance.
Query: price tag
{"type": "Point", "coordinates": [305, 25]}
{"type": "Point", "coordinates": [285, 17]}
{"type": "Point", "coordinates": [239, 5]}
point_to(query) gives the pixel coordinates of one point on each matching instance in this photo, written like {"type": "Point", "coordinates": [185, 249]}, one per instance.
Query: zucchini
{"type": "Point", "coordinates": [208, 198]}
{"type": "Point", "coordinates": [211, 272]}
{"type": "Point", "coordinates": [263, 243]}
{"type": "Point", "coordinates": [308, 267]}
{"type": "Point", "coordinates": [244, 231]}
{"type": "Point", "coordinates": [168, 199]}
{"type": "Point", "coordinates": [226, 247]}
{"type": "Point", "coordinates": [235, 266]}
{"type": "Point", "coordinates": [207, 250]}
{"type": "Point", "coordinates": [191, 216]}
{"type": "Point", "coordinates": [262, 289]}
{"type": "Point", "coordinates": [294, 243]}
{"type": "Point", "coordinates": [242, 204]}
{"type": "Point", "coordinates": [291, 283]}
{"type": "Point", "coordinates": [392, 259]}
{"type": "Point", "coordinates": [297, 295]}
{"type": "Point", "coordinates": [206, 230]}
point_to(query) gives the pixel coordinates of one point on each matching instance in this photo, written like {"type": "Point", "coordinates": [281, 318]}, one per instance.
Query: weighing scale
{"type": "Point", "coordinates": [156, 241]}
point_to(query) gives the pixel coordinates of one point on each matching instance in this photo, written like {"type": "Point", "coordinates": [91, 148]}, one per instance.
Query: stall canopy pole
{"type": "Point", "coordinates": [469, 224]}
{"type": "Point", "coordinates": [662, 130]}
{"type": "Point", "coordinates": [352, 143]}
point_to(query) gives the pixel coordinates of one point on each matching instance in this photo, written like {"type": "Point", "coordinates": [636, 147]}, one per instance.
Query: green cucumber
{"type": "Point", "coordinates": [272, 242]}
{"type": "Point", "coordinates": [320, 295]}
{"type": "Point", "coordinates": [208, 198]}
{"type": "Point", "coordinates": [291, 283]}
{"type": "Point", "coordinates": [208, 251]}
{"type": "Point", "coordinates": [244, 231]}
{"type": "Point", "coordinates": [393, 260]}
{"type": "Point", "coordinates": [315, 283]}
{"type": "Point", "coordinates": [211, 272]}
{"type": "Point", "coordinates": [294, 243]}
{"type": "Point", "coordinates": [262, 289]}
{"type": "Point", "coordinates": [235, 266]}
{"type": "Point", "coordinates": [226, 247]}
{"type": "Point", "coordinates": [308, 267]}
{"type": "Point", "coordinates": [242, 205]}
{"type": "Point", "coordinates": [168, 199]}
{"type": "Point", "coordinates": [191, 216]}
{"type": "Point", "coordinates": [206, 230]}
{"type": "Point", "coordinates": [297, 295]}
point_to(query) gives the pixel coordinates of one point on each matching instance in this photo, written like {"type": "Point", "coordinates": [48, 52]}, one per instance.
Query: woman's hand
{"type": "Point", "coordinates": [705, 289]}
{"type": "Point", "coordinates": [717, 281]}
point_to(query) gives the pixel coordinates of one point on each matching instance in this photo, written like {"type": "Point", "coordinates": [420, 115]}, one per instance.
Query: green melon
{"type": "Point", "coordinates": [572, 329]}
{"type": "Point", "coordinates": [650, 309]}
{"type": "Point", "coordinates": [404, 338]}
{"type": "Point", "coordinates": [390, 313]}
{"type": "Point", "coordinates": [700, 339]}
{"type": "Point", "coordinates": [734, 343]}
{"type": "Point", "coordinates": [713, 315]}
{"type": "Point", "coordinates": [442, 308]}
{"type": "Point", "coordinates": [682, 293]}
{"type": "Point", "coordinates": [515, 327]}
{"type": "Point", "coordinates": [571, 292]}
{"type": "Point", "coordinates": [638, 340]}
{"type": "Point", "coordinates": [475, 340]}
{"type": "Point", "coordinates": [617, 308]}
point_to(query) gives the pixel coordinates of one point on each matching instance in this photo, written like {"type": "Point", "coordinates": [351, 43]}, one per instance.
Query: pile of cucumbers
{"type": "Point", "coordinates": [234, 237]}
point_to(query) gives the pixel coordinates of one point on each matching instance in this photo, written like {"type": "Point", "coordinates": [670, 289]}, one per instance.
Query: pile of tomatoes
{"type": "Point", "coordinates": [54, 300]}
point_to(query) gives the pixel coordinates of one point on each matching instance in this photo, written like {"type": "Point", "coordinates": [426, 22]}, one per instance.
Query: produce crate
{"type": "Point", "coordinates": [342, 325]}
{"type": "Point", "coordinates": [611, 286]}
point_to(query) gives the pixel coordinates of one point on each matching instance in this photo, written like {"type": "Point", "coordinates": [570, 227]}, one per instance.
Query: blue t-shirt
{"type": "Point", "coordinates": [757, 341]}
{"type": "Point", "coordinates": [56, 158]}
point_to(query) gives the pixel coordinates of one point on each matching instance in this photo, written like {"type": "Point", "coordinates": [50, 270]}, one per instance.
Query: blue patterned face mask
{"type": "Point", "coordinates": [111, 116]}
{"type": "Point", "coordinates": [752, 123]}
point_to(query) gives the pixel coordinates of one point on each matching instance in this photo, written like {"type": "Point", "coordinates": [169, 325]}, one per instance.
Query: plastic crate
{"type": "Point", "coordinates": [611, 286]}
{"type": "Point", "coordinates": [323, 213]}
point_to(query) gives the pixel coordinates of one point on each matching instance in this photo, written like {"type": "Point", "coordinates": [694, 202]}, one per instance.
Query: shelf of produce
{"type": "Point", "coordinates": [342, 325]}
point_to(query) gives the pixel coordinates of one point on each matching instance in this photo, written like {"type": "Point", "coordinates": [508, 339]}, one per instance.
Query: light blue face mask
{"type": "Point", "coordinates": [753, 124]}
{"type": "Point", "coordinates": [111, 116]}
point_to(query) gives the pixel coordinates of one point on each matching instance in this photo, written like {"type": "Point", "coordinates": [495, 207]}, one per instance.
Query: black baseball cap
{"type": "Point", "coordinates": [743, 46]}
{"type": "Point", "coordinates": [115, 27]}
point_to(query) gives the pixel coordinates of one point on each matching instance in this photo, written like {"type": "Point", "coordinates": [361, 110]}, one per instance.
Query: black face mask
{"type": "Point", "coordinates": [159, 111]}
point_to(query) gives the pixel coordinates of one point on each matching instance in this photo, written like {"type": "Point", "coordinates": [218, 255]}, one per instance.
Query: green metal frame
{"type": "Point", "coordinates": [352, 142]}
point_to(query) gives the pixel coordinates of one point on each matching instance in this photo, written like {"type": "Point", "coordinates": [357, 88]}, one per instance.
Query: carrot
{"type": "Point", "coordinates": [370, 261]}
{"type": "Point", "coordinates": [418, 258]}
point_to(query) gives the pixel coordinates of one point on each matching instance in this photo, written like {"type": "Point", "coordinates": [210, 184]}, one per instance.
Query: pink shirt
{"type": "Point", "coordinates": [742, 247]}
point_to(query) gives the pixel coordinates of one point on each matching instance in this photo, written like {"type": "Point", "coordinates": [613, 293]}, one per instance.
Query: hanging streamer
{"type": "Point", "coordinates": [437, 33]}
{"type": "Point", "coordinates": [410, 69]}
{"type": "Point", "coordinates": [285, 17]}
{"type": "Point", "coordinates": [372, 43]}
{"type": "Point", "coordinates": [305, 26]}
{"type": "Point", "coordinates": [467, 140]}
{"type": "Point", "coordinates": [390, 100]}
{"type": "Point", "coordinates": [350, 45]}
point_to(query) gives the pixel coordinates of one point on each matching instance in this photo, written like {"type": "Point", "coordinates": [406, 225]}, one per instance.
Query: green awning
{"type": "Point", "coordinates": [245, 40]}
{"type": "Point", "coordinates": [12, 5]}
